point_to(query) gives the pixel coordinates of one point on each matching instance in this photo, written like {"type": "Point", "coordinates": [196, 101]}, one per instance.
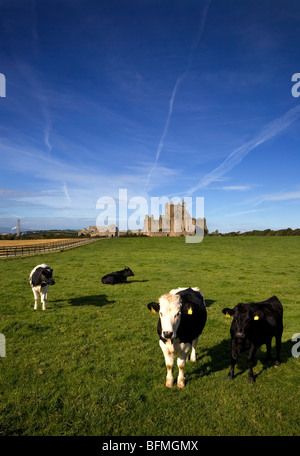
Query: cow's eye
{"type": "Point", "coordinates": [177, 315]}
{"type": "Point", "coordinates": [160, 313]}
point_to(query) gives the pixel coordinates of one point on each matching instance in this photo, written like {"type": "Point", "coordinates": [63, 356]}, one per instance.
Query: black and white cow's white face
{"type": "Point", "coordinates": [170, 315]}
{"type": "Point", "coordinates": [169, 309]}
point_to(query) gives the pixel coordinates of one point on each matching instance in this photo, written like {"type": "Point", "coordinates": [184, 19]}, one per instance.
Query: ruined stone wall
{"type": "Point", "coordinates": [175, 222]}
{"type": "Point", "coordinates": [100, 231]}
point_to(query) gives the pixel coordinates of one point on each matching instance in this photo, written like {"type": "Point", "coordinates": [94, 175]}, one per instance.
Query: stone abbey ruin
{"type": "Point", "coordinates": [175, 222]}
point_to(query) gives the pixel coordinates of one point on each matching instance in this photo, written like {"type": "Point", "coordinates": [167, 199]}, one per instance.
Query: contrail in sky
{"type": "Point", "coordinates": [177, 85]}
{"type": "Point", "coordinates": [47, 119]}
{"type": "Point", "coordinates": [270, 130]}
{"type": "Point", "coordinates": [165, 132]}
{"type": "Point", "coordinates": [37, 91]}
{"type": "Point", "coordinates": [31, 78]}
{"type": "Point", "coordinates": [66, 192]}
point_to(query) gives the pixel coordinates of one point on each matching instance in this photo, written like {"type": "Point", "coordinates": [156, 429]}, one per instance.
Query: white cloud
{"type": "Point", "coordinates": [282, 196]}
{"type": "Point", "coordinates": [238, 188]}
{"type": "Point", "coordinates": [239, 213]}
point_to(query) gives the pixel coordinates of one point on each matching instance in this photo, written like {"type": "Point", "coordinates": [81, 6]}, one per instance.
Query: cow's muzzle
{"type": "Point", "coordinates": [168, 334]}
{"type": "Point", "coordinates": [240, 335]}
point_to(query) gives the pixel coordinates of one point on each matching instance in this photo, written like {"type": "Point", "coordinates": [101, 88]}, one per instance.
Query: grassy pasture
{"type": "Point", "coordinates": [91, 364]}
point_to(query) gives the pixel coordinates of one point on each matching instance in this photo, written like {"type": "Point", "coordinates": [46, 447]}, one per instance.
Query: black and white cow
{"type": "Point", "coordinates": [40, 278]}
{"type": "Point", "coordinates": [182, 317]}
{"type": "Point", "coordinates": [117, 277]}
{"type": "Point", "coordinates": [253, 325]}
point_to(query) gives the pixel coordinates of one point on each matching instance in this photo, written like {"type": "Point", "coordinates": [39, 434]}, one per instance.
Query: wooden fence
{"type": "Point", "coordinates": [42, 248]}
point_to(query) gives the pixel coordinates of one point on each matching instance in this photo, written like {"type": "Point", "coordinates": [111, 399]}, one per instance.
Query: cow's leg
{"type": "Point", "coordinates": [268, 345]}
{"type": "Point", "coordinates": [36, 297]}
{"type": "Point", "coordinates": [169, 360]}
{"type": "Point", "coordinates": [193, 353]}
{"type": "Point", "coordinates": [251, 362]}
{"type": "Point", "coordinates": [44, 300]}
{"type": "Point", "coordinates": [234, 357]}
{"type": "Point", "coordinates": [44, 297]}
{"type": "Point", "coordinates": [278, 348]}
{"type": "Point", "coordinates": [181, 362]}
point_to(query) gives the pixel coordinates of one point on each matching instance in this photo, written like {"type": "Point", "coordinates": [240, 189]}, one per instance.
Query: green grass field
{"type": "Point", "coordinates": [91, 364]}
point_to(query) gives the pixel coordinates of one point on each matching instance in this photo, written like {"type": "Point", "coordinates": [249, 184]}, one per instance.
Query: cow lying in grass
{"type": "Point", "coordinates": [117, 277]}
{"type": "Point", "coordinates": [253, 325]}
{"type": "Point", "coordinates": [40, 278]}
{"type": "Point", "coordinates": [182, 317]}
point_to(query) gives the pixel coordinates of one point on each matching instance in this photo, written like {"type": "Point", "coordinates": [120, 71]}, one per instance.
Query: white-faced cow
{"type": "Point", "coordinates": [253, 325]}
{"type": "Point", "coordinates": [40, 278]}
{"type": "Point", "coordinates": [182, 317]}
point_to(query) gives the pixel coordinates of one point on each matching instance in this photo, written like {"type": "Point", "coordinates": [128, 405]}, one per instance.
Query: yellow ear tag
{"type": "Point", "coordinates": [190, 311]}
{"type": "Point", "coordinates": [256, 317]}
{"type": "Point", "coordinates": [227, 315]}
{"type": "Point", "coordinates": [153, 311]}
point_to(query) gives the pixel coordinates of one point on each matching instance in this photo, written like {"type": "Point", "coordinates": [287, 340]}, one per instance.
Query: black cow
{"type": "Point", "coordinates": [253, 325]}
{"type": "Point", "coordinates": [40, 278]}
{"type": "Point", "coordinates": [117, 277]}
{"type": "Point", "coordinates": [182, 317]}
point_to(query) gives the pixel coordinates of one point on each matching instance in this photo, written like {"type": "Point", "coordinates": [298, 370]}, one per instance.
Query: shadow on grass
{"type": "Point", "coordinates": [209, 302]}
{"type": "Point", "coordinates": [127, 283]}
{"type": "Point", "coordinates": [132, 281]}
{"type": "Point", "coordinates": [220, 359]}
{"type": "Point", "coordinates": [92, 300]}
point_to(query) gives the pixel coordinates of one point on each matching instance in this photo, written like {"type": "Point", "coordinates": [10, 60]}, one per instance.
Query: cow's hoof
{"type": "Point", "coordinates": [277, 363]}
{"type": "Point", "coordinates": [169, 383]}
{"type": "Point", "coordinates": [251, 379]}
{"type": "Point", "coordinates": [180, 382]}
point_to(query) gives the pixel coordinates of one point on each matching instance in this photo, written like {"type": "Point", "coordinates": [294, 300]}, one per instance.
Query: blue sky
{"type": "Point", "coordinates": [159, 97]}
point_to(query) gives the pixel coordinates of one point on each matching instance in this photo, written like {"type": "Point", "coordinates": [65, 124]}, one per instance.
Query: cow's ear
{"type": "Point", "coordinates": [227, 312]}
{"type": "Point", "coordinates": [258, 315]}
{"type": "Point", "coordinates": [153, 307]}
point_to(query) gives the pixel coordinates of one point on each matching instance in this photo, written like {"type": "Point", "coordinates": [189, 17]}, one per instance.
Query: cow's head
{"type": "Point", "coordinates": [243, 317]}
{"type": "Point", "coordinates": [128, 272]}
{"type": "Point", "coordinates": [170, 308]}
{"type": "Point", "coordinates": [46, 277]}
